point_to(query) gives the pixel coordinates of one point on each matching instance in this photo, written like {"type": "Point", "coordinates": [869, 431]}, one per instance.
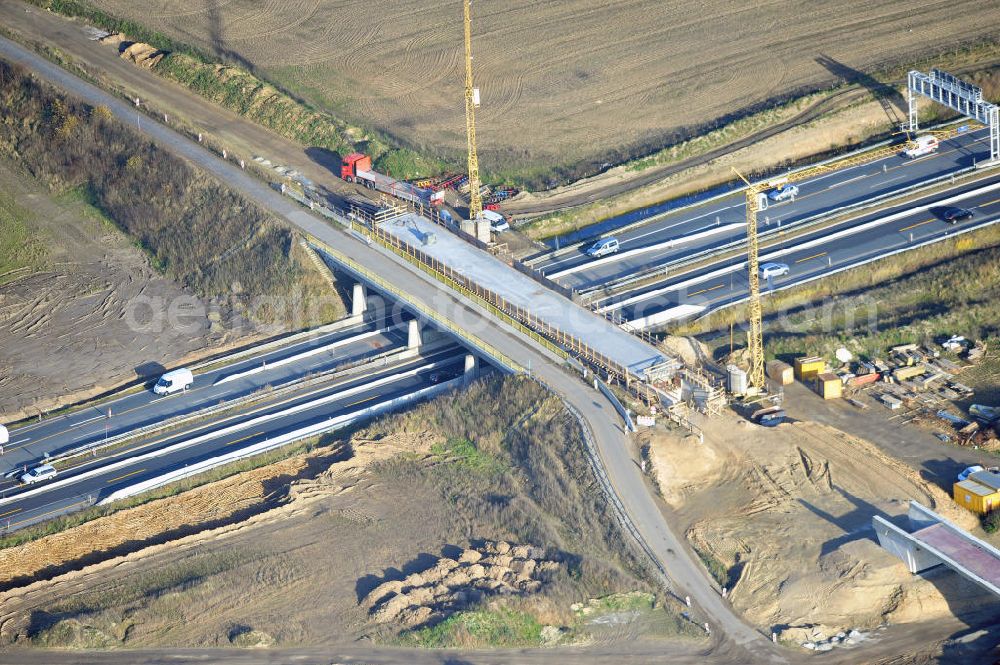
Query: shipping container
{"type": "Point", "coordinates": [808, 368]}
{"type": "Point", "coordinates": [829, 385]}
{"type": "Point", "coordinates": [780, 372]}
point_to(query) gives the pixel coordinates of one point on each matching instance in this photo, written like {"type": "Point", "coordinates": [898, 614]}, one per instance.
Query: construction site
{"type": "Point", "coordinates": [574, 470]}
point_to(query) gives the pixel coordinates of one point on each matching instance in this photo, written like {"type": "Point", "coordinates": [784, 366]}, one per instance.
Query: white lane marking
{"type": "Point", "coordinates": [681, 223]}
{"type": "Point", "coordinates": [14, 443]}
{"type": "Point", "coordinates": [84, 422]}
{"type": "Point", "coordinates": [849, 180]}
{"type": "Point", "coordinates": [884, 182]}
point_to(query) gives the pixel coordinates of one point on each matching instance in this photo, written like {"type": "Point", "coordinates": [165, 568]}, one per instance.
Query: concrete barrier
{"type": "Point", "coordinates": [279, 441]}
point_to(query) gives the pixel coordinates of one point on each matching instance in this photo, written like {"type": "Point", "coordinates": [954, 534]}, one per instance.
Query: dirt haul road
{"type": "Point", "coordinates": [562, 83]}
{"type": "Point", "coordinates": [600, 416]}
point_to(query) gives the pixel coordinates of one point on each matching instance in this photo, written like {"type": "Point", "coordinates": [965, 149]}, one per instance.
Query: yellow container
{"type": "Point", "coordinates": [808, 368]}
{"type": "Point", "coordinates": [976, 497]}
{"type": "Point", "coordinates": [829, 386]}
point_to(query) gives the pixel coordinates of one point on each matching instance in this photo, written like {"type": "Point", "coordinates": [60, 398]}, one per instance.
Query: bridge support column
{"type": "Point", "coordinates": [413, 336]}
{"type": "Point", "coordinates": [358, 301]}
{"type": "Point", "coordinates": [471, 367]}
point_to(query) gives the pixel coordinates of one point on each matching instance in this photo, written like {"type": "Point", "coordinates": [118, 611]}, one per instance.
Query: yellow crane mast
{"type": "Point", "coordinates": [754, 192]}
{"type": "Point", "coordinates": [471, 102]}
{"type": "Point", "coordinates": [755, 336]}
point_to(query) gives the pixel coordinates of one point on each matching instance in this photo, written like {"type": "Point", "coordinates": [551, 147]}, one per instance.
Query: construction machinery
{"type": "Point", "coordinates": [471, 103]}
{"type": "Point", "coordinates": [357, 167]}
{"type": "Point", "coordinates": [757, 200]}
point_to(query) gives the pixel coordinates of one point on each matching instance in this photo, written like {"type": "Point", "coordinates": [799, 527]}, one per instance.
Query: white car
{"type": "Point", "coordinates": [768, 270]}
{"type": "Point", "coordinates": [603, 247]}
{"type": "Point", "coordinates": [783, 192]}
{"type": "Point", "coordinates": [975, 468]}
{"type": "Point", "coordinates": [38, 474]}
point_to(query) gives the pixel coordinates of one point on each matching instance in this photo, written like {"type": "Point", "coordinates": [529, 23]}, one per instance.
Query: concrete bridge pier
{"type": "Point", "coordinates": [359, 302]}
{"type": "Point", "coordinates": [471, 367]}
{"type": "Point", "coordinates": [413, 339]}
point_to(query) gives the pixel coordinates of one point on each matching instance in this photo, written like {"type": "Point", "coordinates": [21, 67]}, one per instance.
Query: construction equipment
{"type": "Point", "coordinates": [357, 167]}
{"type": "Point", "coordinates": [757, 200]}
{"type": "Point", "coordinates": [471, 103]}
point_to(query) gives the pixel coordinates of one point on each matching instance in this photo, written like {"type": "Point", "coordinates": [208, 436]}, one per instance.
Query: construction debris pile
{"type": "Point", "coordinates": [449, 585]}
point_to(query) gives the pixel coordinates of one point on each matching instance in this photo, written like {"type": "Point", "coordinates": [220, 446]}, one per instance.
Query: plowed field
{"type": "Point", "coordinates": [562, 82]}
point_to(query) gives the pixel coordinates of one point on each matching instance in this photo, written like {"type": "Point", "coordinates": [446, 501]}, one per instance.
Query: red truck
{"type": "Point", "coordinates": [357, 167]}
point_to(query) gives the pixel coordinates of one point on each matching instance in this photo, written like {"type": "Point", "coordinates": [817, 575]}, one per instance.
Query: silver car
{"type": "Point", "coordinates": [38, 474]}
{"type": "Point", "coordinates": [768, 270]}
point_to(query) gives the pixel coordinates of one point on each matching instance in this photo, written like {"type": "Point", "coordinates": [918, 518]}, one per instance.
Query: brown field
{"type": "Point", "coordinates": [563, 83]}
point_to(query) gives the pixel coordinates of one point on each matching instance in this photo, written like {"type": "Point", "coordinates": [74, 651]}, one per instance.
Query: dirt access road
{"type": "Point", "coordinates": [415, 287]}
{"type": "Point", "coordinates": [184, 108]}
{"type": "Point", "coordinates": [562, 83]}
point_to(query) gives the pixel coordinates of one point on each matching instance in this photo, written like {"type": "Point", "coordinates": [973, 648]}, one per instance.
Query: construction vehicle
{"type": "Point", "coordinates": [357, 167]}
{"type": "Point", "coordinates": [757, 200]}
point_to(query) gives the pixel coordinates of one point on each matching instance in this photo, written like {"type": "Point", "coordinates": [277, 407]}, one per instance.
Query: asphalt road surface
{"type": "Point", "coordinates": [29, 443]}
{"type": "Point", "coordinates": [339, 397]}
{"type": "Point", "coordinates": [818, 254]}
{"type": "Point", "coordinates": [734, 641]}
{"type": "Point", "coordinates": [722, 221]}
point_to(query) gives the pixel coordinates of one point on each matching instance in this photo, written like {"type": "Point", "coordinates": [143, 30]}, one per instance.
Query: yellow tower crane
{"type": "Point", "coordinates": [471, 103]}
{"type": "Point", "coordinates": [755, 193]}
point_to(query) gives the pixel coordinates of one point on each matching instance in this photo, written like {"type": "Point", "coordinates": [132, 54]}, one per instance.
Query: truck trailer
{"type": "Point", "coordinates": [357, 167]}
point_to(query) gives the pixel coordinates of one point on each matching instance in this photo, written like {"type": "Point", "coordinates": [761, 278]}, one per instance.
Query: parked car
{"type": "Point", "coordinates": [174, 380]}
{"type": "Point", "coordinates": [783, 192]}
{"type": "Point", "coordinates": [768, 270]}
{"type": "Point", "coordinates": [498, 223]}
{"type": "Point", "coordinates": [969, 471]}
{"type": "Point", "coordinates": [38, 474]}
{"type": "Point", "coordinates": [956, 215]}
{"type": "Point", "coordinates": [603, 247]}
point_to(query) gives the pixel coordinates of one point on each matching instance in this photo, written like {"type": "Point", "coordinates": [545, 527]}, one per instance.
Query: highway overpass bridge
{"type": "Point", "coordinates": [934, 541]}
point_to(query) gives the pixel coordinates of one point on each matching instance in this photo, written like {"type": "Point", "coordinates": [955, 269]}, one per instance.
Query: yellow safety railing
{"type": "Point", "coordinates": [551, 337]}
{"type": "Point", "coordinates": [388, 287]}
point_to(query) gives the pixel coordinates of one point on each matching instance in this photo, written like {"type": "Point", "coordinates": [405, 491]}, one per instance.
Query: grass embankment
{"type": "Point", "coordinates": [947, 288]}
{"type": "Point", "coordinates": [201, 234]}
{"type": "Point", "coordinates": [960, 59]}
{"type": "Point", "coordinates": [513, 468]}
{"type": "Point", "coordinates": [21, 249]}
{"type": "Point", "coordinates": [247, 94]}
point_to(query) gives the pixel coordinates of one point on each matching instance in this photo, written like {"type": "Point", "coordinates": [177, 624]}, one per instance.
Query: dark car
{"type": "Point", "coordinates": [956, 215]}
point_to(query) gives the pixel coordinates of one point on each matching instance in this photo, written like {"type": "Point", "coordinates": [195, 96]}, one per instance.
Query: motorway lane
{"type": "Point", "coordinates": [420, 290]}
{"type": "Point", "coordinates": [29, 443]}
{"type": "Point", "coordinates": [844, 187]}
{"type": "Point", "coordinates": [812, 256]}
{"type": "Point", "coordinates": [404, 378]}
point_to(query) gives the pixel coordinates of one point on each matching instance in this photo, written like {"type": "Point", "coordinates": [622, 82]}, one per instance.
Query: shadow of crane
{"type": "Point", "coordinates": [891, 101]}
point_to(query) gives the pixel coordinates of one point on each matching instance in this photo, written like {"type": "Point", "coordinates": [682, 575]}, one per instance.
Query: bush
{"type": "Point", "coordinates": [991, 521]}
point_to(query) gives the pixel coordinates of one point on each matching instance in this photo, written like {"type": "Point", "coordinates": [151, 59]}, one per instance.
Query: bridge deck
{"type": "Point", "coordinates": [483, 268]}
{"type": "Point", "coordinates": [964, 551]}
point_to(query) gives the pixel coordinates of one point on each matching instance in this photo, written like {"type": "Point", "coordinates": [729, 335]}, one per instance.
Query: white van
{"type": "Point", "coordinates": [498, 223]}
{"type": "Point", "coordinates": [174, 380]}
{"type": "Point", "coordinates": [924, 145]}
{"type": "Point", "coordinates": [603, 247]}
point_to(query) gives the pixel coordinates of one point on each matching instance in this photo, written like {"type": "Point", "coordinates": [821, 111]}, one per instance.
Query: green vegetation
{"type": "Point", "coordinates": [20, 249]}
{"type": "Point", "coordinates": [199, 233]}
{"type": "Point", "coordinates": [947, 288]}
{"type": "Point", "coordinates": [464, 453]}
{"type": "Point", "coordinates": [991, 521]}
{"type": "Point", "coordinates": [502, 627]}
{"type": "Point", "coordinates": [717, 569]}
{"type": "Point", "coordinates": [71, 622]}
